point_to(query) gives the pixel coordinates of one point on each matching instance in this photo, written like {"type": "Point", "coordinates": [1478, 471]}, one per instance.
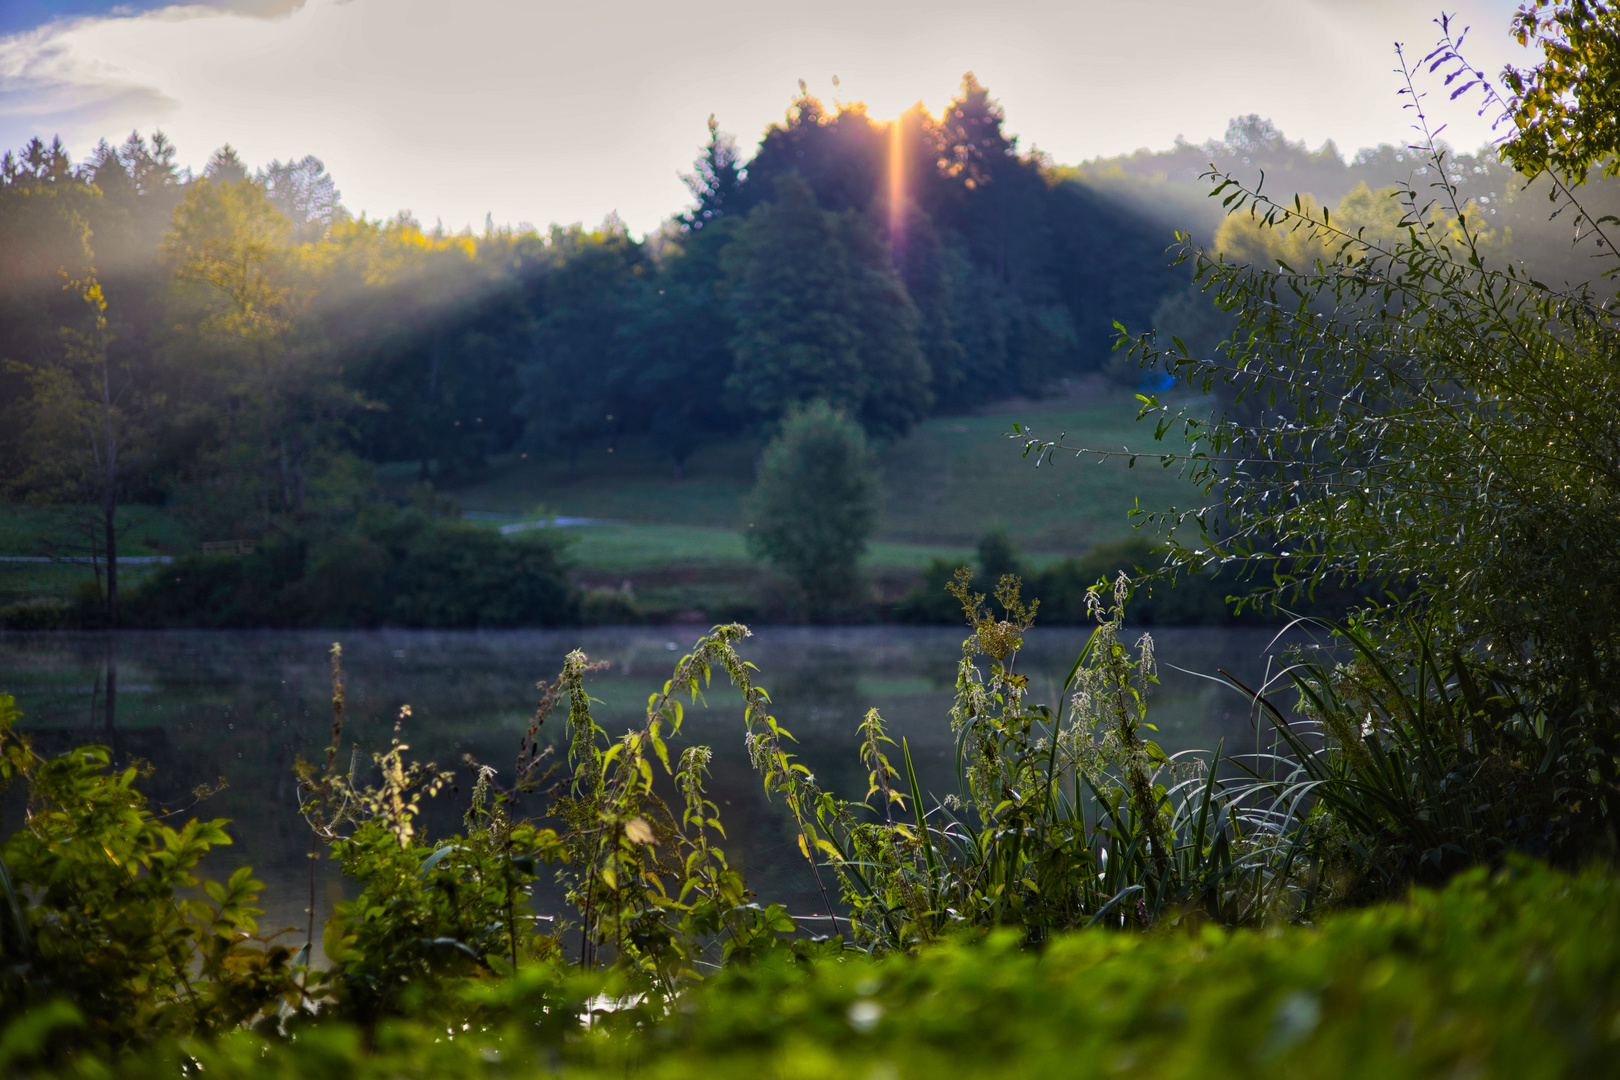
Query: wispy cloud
{"type": "Point", "coordinates": [566, 111]}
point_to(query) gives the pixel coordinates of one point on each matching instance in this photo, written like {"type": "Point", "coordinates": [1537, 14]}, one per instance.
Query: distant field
{"type": "Point", "coordinates": [62, 531]}
{"type": "Point", "coordinates": [630, 546]}
{"type": "Point", "coordinates": [678, 542]}
{"type": "Point", "coordinates": [57, 581]}
{"type": "Point", "coordinates": [949, 482]}
{"type": "Point", "coordinates": [65, 530]}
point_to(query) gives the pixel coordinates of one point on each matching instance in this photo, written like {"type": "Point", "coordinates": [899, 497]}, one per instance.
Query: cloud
{"type": "Point", "coordinates": [548, 111]}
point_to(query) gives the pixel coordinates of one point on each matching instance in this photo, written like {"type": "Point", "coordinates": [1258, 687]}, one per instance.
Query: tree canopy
{"type": "Point", "coordinates": [892, 268]}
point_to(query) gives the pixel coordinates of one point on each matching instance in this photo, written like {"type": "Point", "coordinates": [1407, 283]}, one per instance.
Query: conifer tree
{"type": "Point", "coordinates": [821, 314]}
{"type": "Point", "coordinates": [714, 179]}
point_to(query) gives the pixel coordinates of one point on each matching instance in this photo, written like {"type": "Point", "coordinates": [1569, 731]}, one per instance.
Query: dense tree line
{"type": "Point", "coordinates": [237, 345]}
{"type": "Point", "coordinates": [261, 345]}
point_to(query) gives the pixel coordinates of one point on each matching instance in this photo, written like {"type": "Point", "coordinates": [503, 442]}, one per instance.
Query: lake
{"type": "Point", "coordinates": [239, 708]}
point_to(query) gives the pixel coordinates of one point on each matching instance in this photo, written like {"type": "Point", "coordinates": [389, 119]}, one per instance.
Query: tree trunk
{"type": "Point", "coordinates": [109, 513]}
{"type": "Point", "coordinates": [112, 701]}
{"type": "Point", "coordinates": [109, 479]}
{"type": "Point", "coordinates": [95, 554]}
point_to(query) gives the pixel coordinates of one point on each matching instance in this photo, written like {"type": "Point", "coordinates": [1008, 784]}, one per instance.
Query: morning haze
{"type": "Point", "coordinates": [726, 540]}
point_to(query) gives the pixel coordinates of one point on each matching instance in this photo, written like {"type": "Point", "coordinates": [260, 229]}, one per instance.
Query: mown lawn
{"type": "Point", "coordinates": [944, 486]}
{"type": "Point", "coordinates": [630, 547]}
{"type": "Point", "coordinates": [66, 531]}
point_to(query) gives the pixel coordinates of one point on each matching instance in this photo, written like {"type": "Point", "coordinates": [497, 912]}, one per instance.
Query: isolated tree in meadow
{"type": "Point", "coordinates": [815, 504]}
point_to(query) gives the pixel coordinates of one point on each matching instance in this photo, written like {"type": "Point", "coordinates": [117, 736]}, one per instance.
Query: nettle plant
{"type": "Point", "coordinates": [1065, 817]}
{"type": "Point", "coordinates": [428, 912]}
{"type": "Point", "coordinates": [653, 892]}
{"type": "Point", "coordinates": [1408, 412]}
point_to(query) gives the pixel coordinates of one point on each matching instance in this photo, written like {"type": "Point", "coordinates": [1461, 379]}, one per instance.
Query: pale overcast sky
{"type": "Point", "coordinates": [539, 111]}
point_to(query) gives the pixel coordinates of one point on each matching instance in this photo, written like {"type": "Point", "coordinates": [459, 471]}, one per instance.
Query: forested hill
{"type": "Point", "coordinates": [258, 345]}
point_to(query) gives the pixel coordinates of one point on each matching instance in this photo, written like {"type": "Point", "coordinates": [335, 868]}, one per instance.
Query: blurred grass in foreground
{"type": "Point", "coordinates": [1512, 974]}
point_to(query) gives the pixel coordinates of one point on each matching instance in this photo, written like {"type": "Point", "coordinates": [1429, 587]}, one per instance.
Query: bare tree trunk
{"type": "Point", "coordinates": [112, 698]}
{"type": "Point", "coordinates": [109, 514]}
{"type": "Point", "coordinates": [109, 485]}
{"type": "Point", "coordinates": [95, 553]}
{"type": "Point", "coordinates": [430, 416]}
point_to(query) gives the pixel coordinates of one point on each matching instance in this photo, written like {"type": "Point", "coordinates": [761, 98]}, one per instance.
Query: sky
{"type": "Point", "coordinates": [537, 111]}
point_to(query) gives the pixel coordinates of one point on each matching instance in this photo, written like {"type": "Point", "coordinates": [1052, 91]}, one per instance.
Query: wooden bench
{"type": "Point", "coordinates": [227, 547]}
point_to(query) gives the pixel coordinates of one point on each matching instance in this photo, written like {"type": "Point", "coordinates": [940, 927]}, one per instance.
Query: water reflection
{"type": "Point", "coordinates": [239, 708]}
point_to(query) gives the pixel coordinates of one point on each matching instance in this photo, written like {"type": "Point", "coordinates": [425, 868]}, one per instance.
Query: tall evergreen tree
{"type": "Point", "coordinates": [226, 167]}
{"type": "Point", "coordinates": [578, 382]}
{"type": "Point", "coordinates": [714, 179]}
{"type": "Point", "coordinates": [678, 342]}
{"type": "Point", "coordinates": [305, 194]}
{"type": "Point", "coordinates": [821, 314]}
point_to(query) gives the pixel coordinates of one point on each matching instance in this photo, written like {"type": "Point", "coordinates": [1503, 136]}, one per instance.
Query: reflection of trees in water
{"type": "Point", "coordinates": [243, 706]}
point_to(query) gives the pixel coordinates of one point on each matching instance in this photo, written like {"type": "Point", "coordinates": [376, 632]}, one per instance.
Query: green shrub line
{"type": "Point", "coordinates": [394, 567]}
{"type": "Point", "coordinates": [1511, 973]}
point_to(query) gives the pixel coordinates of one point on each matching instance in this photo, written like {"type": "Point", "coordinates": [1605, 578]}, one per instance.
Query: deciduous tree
{"type": "Point", "coordinates": [815, 504]}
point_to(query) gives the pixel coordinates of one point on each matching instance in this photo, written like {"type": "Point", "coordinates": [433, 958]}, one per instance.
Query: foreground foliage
{"type": "Point", "coordinates": [1512, 973]}
{"type": "Point", "coordinates": [1398, 404]}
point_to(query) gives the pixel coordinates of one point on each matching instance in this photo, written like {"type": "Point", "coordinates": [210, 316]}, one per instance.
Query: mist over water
{"type": "Point", "coordinates": [240, 708]}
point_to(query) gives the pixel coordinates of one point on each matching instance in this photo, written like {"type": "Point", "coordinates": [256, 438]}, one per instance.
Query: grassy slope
{"type": "Point", "coordinates": [944, 486]}
{"type": "Point", "coordinates": [63, 532]}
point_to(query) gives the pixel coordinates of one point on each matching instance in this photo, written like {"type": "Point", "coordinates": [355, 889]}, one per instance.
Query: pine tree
{"type": "Point", "coordinates": [714, 179]}
{"type": "Point", "coordinates": [821, 314]}
{"type": "Point", "coordinates": [225, 167]}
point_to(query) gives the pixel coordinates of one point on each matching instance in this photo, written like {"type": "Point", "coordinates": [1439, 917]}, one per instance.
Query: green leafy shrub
{"type": "Point", "coordinates": [396, 567]}
{"type": "Point", "coordinates": [100, 910]}
{"type": "Point", "coordinates": [1436, 450]}
{"type": "Point", "coordinates": [609, 607]}
{"type": "Point", "coordinates": [45, 614]}
{"type": "Point", "coordinates": [815, 504]}
{"type": "Point", "coordinates": [431, 914]}
{"type": "Point", "coordinates": [1511, 973]}
{"type": "Point", "coordinates": [1062, 587]}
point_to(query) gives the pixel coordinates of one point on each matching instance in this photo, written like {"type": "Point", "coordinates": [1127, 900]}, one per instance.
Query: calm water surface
{"type": "Point", "coordinates": [240, 707]}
